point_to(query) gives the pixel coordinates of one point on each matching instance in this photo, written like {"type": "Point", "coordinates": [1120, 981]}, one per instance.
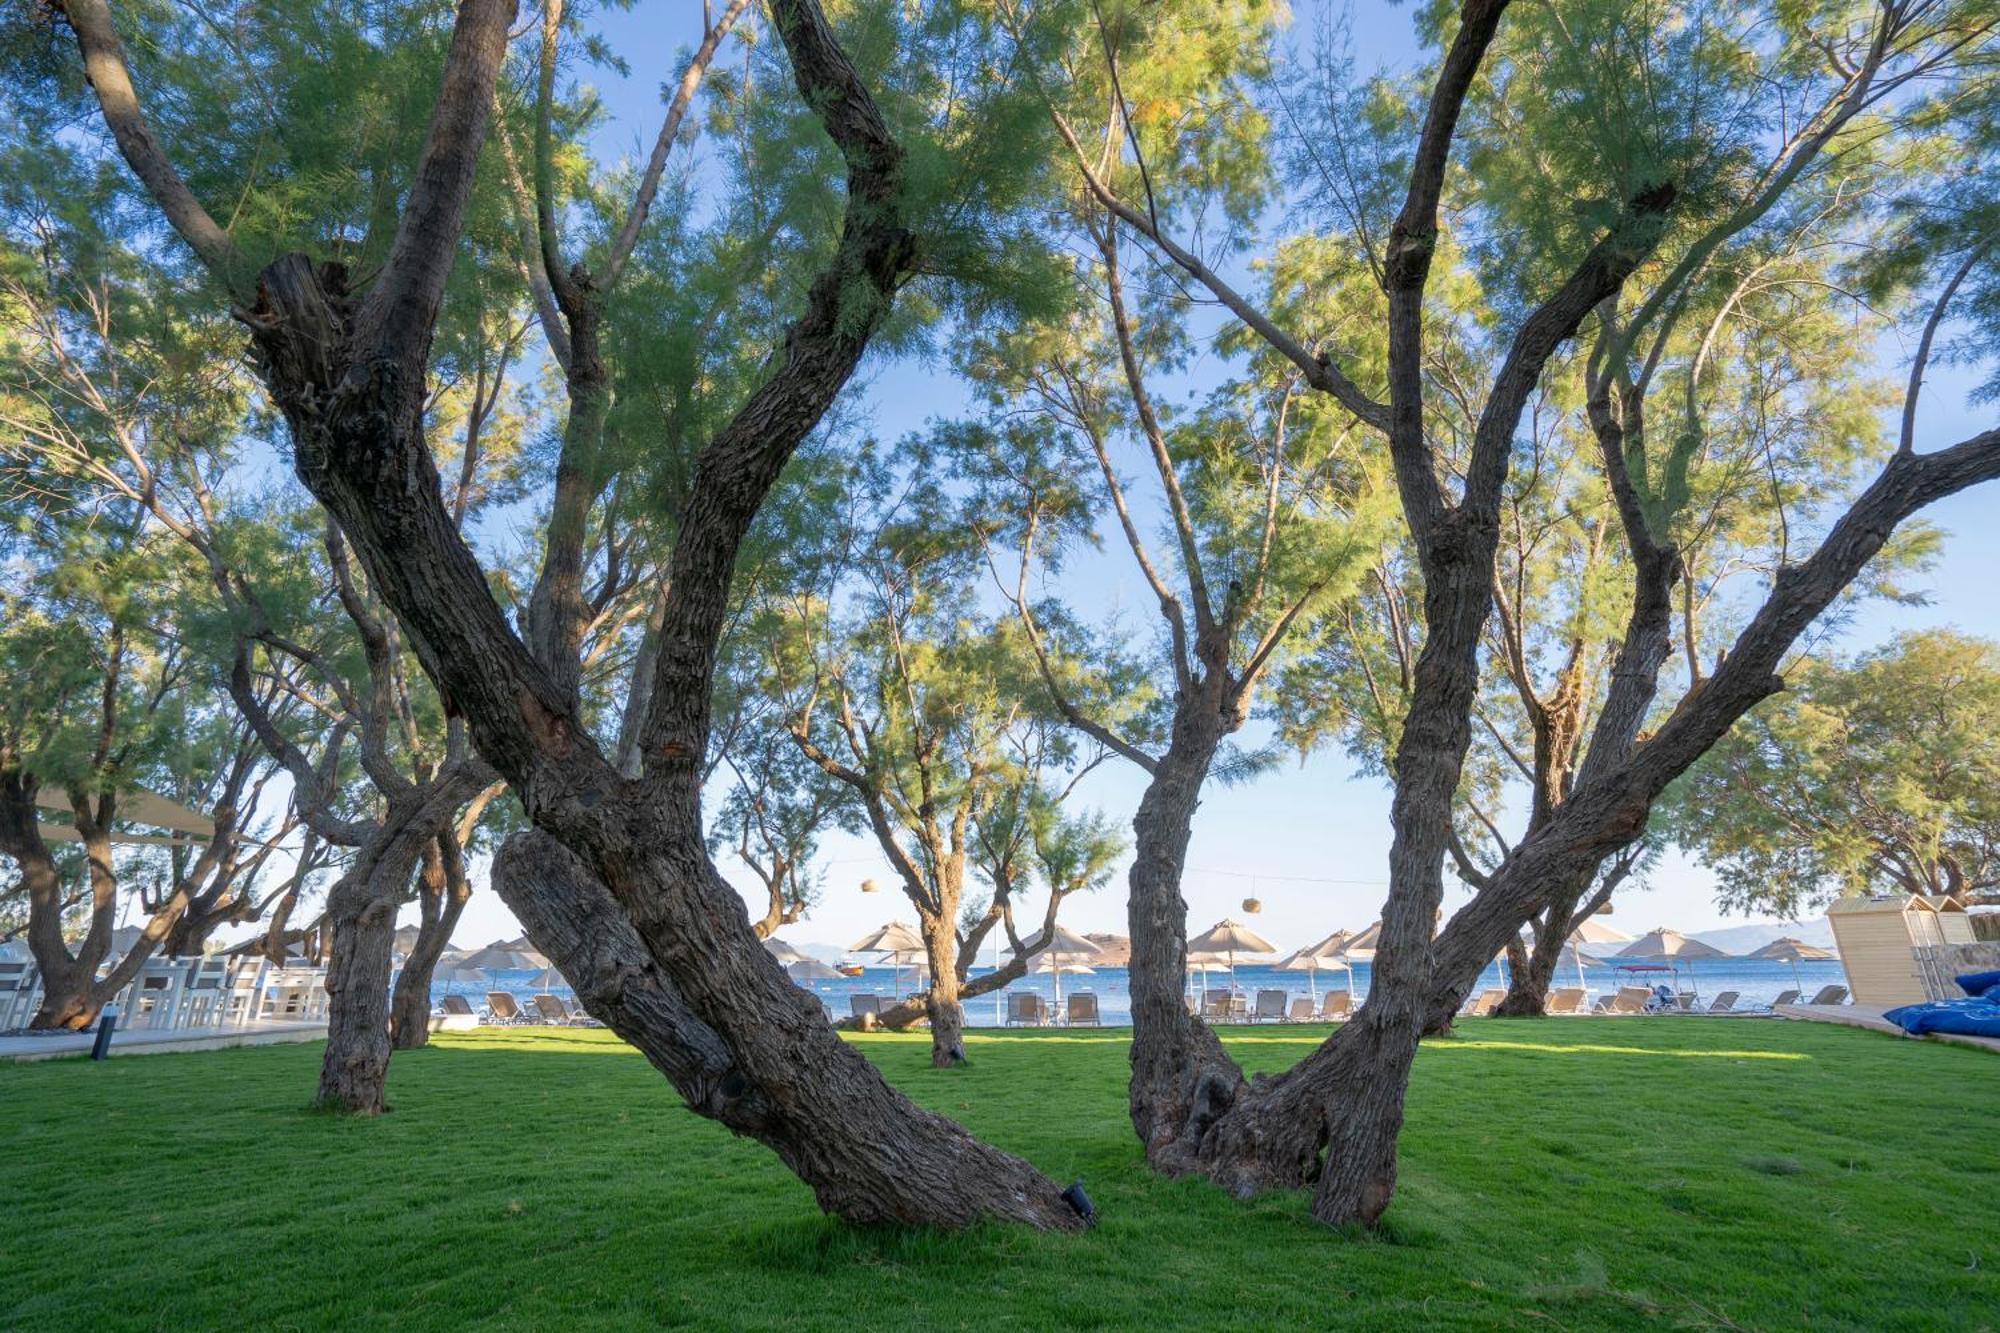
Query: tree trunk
{"type": "Point", "coordinates": [361, 913]}
{"type": "Point", "coordinates": [775, 1072]}
{"type": "Point", "coordinates": [443, 893]}
{"type": "Point", "coordinates": [1181, 1077]}
{"type": "Point", "coordinates": [1528, 985]}
{"type": "Point", "coordinates": [941, 1004]}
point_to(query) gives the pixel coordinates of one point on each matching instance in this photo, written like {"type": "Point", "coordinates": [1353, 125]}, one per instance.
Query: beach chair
{"type": "Point", "coordinates": [1024, 1009]}
{"type": "Point", "coordinates": [153, 998]}
{"type": "Point", "coordinates": [1302, 1010]}
{"type": "Point", "coordinates": [1483, 1003]}
{"type": "Point", "coordinates": [1218, 1009]}
{"type": "Point", "coordinates": [1830, 995]}
{"type": "Point", "coordinates": [859, 1005]}
{"type": "Point", "coordinates": [551, 1009]}
{"type": "Point", "coordinates": [502, 1007]}
{"type": "Point", "coordinates": [1724, 1003]}
{"type": "Point", "coordinates": [456, 1006]}
{"type": "Point", "coordinates": [1270, 1007]}
{"type": "Point", "coordinates": [1785, 997]}
{"type": "Point", "coordinates": [1336, 1005]}
{"type": "Point", "coordinates": [1625, 1000]}
{"type": "Point", "coordinates": [1565, 1000]}
{"type": "Point", "coordinates": [1083, 1010]}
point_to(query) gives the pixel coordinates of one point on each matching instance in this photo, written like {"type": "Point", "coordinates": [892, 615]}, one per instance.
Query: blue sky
{"type": "Point", "coordinates": [1310, 840]}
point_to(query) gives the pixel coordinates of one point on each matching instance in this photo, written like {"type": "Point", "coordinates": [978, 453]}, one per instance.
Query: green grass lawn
{"type": "Point", "coordinates": [1570, 1174]}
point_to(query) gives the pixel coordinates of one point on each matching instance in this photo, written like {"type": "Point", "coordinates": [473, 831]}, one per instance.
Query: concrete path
{"type": "Point", "coordinates": [1870, 1016]}
{"type": "Point", "coordinates": [160, 1041]}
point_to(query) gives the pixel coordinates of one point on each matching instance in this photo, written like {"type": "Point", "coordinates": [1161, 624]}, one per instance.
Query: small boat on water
{"type": "Point", "coordinates": [849, 969]}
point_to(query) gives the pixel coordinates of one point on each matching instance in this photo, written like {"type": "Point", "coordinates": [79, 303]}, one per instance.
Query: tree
{"type": "Point", "coordinates": [1880, 772]}
{"type": "Point", "coordinates": [622, 895]}
{"type": "Point", "coordinates": [921, 708]}
{"type": "Point", "coordinates": [1648, 120]}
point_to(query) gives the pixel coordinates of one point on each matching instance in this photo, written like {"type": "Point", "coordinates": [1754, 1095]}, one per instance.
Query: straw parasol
{"type": "Point", "coordinates": [892, 940]}
{"type": "Point", "coordinates": [1309, 960]}
{"type": "Point", "coordinates": [1593, 931]}
{"type": "Point", "coordinates": [1361, 948]}
{"type": "Point", "coordinates": [784, 952]}
{"type": "Point", "coordinates": [503, 956]}
{"type": "Point", "coordinates": [455, 972]}
{"type": "Point", "coordinates": [1229, 938]}
{"type": "Point", "coordinates": [1059, 944]}
{"type": "Point", "coordinates": [811, 969]}
{"type": "Point", "coordinates": [1793, 951]}
{"type": "Point", "coordinates": [1671, 947]}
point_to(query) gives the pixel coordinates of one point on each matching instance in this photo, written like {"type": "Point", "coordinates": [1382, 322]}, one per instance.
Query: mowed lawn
{"type": "Point", "coordinates": [1568, 1174]}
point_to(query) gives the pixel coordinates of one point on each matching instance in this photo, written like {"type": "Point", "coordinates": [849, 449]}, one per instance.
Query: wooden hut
{"type": "Point", "coordinates": [1880, 940]}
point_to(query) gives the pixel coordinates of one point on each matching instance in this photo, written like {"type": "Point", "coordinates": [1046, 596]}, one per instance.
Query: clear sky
{"type": "Point", "coordinates": [1310, 840]}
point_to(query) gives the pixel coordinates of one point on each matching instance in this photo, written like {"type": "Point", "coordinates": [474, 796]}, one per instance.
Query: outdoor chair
{"type": "Point", "coordinates": [1270, 1006]}
{"type": "Point", "coordinates": [1302, 1010]}
{"type": "Point", "coordinates": [242, 997]}
{"type": "Point", "coordinates": [1565, 1000]}
{"type": "Point", "coordinates": [456, 1006]}
{"type": "Point", "coordinates": [1785, 997]}
{"type": "Point", "coordinates": [1336, 1005]}
{"type": "Point", "coordinates": [1830, 995]}
{"type": "Point", "coordinates": [1484, 1003]}
{"type": "Point", "coordinates": [859, 1005]}
{"type": "Point", "coordinates": [553, 1010]}
{"type": "Point", "coordinates": [502, 1007]}
{"type": "Point", "coordinates": [1024, 1009]}
{"type": "Point", "coordinates": [1218, 1007]}
{"type": "Point", "coordinates": [1723, 1003]}
{"type": "Point", "coordinates": [153, 1000]}
{"type": "Point", "coordinates": [1083, 1010]}
{"type": "Point", "coordinates": [1627, 1000]}
{"type": "Point", "coordinates": [204, 991]}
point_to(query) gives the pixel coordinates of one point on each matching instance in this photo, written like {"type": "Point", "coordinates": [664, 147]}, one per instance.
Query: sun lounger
{"type": "Point", "coordinates": [1785, 997]}
{"type": "Point", "coordinates": [1083, 1010]}
{"type": "Point", "coordinates": [1336, 1005]}
{"type": "Point", "coordinates": [19, 993]}
{"type": "Point", "coordinates": [1484, 1003]}
{"type": "Point", "coordinates": [1723, 1003]}
{"type": "Point", "coordinates": [1219, 1008]}
{"type": "Point", "coordinates": [861, 1005]}
{"type": "Point", "coordinates": [1830, 995]}
{"type": "Point", "coordinates": [1302, 1010]}
{"type": "Point", "coordinates": [502, 1007]}
{"type": "Point", "coordinates": [553, 1010]}
{"type": "Point", "coordinates": [1270, 1007]}
{"type": "Point", "coordinates": [1565, 1000]}
{"type": "Point", "coordinates": [457, 1006]}
{"type": "Point", "coordinates": [1024, 1009]}
{"type": "Point", "coordinates": [1627, 1000]}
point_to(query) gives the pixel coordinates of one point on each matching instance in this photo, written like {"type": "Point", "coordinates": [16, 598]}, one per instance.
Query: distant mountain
{"type": "Point", "coordinates": [1756, 934]}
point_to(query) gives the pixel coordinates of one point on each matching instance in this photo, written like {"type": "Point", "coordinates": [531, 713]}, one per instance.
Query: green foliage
{"type": "Point", "coordinates": [1877, 774]}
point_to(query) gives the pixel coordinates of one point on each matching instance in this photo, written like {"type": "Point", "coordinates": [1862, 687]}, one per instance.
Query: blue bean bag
{"type": "Point", "coordinates": [1978, 983]}
{"type": "Point", "coordinates": [1975, 1017]}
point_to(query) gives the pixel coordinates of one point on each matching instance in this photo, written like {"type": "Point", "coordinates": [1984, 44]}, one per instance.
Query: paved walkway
{"type": "Point", "coordinates": [1870, 1016]}
{"type": "Point", "coordinates": [159, 1041]}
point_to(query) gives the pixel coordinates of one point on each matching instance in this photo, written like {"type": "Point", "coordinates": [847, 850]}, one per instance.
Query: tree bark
{"type": "Point", "coordinates": [941, 1003]}
{"type": "Point", "coordinates": [443, 891]}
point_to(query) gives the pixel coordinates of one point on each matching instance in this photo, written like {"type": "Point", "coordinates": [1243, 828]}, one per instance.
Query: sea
{"type": "Point", "coordinates": [1756, 981]}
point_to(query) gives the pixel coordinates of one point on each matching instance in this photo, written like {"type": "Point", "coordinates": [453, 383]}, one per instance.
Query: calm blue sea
{"type": "Point", "coordinates": [1757, 981]}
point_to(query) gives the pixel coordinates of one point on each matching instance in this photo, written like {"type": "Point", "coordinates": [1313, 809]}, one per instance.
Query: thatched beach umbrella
{"type": "Point", "coordinates": [1662, 945]}
{"type": "Point", "coordinates": [811, 969]}
{"type": "Point", "coordinates": [1230, 938]}
{"type": "Point", "coordinates": [1060, 946]}
{"type": "Point", "coordinates": [1792, 951]}
{"type": "Point", "coordinates": [1313, 957]}
{"type": "Point", "coordinates": [502, 956]}
{"type": "Point", "coordinates": [890, 939]}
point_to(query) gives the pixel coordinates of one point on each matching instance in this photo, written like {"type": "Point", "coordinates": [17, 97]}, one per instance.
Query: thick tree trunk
{"type": "Point", "coordinates": [1182, 1079]}
{"type": "Point", "coordinates": [1529, 981]}
{"type": "Point", "coordinates": [361, 910]}
{"type": "Point", "coordinates": [775, 1072]}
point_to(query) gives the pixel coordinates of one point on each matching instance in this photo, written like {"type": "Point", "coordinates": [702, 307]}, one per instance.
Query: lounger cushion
{"type": "Point", "coordinates": [1972, 1018]}
{"type": "Point", "coordinates": [1978, 983]}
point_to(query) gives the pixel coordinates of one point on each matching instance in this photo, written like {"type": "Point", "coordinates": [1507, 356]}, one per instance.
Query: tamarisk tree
{"type": "Point", "coordinates": [1676, 176]}
{"type": "Point", "coordinates": [622, 895]}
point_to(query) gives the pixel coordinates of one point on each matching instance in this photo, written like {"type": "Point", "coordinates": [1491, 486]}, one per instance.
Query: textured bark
{"type": "Point", "coordinates": [867, 1152]}
{"type": "Point", "coordinates": [442, 893]}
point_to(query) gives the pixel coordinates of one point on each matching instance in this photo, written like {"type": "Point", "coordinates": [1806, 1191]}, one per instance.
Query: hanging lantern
{"type": "Point", "coordinates": [1253, 905]}
{"type": "Point", "coordinates": [870, 886]}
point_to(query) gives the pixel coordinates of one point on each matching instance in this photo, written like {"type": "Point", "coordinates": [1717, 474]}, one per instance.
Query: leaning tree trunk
{"type": "Point", "coordinates": [1528, 986]}
{"type": "Point", "coordinates": [782, 1077]}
